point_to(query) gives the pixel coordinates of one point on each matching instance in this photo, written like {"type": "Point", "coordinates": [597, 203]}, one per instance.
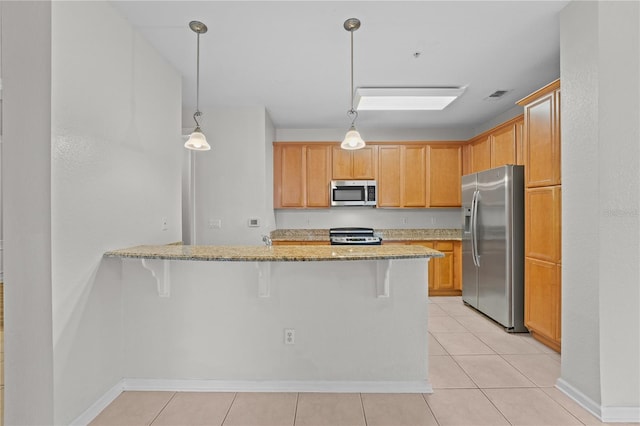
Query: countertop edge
{"type": "Point", "coordinates": [291, 253]}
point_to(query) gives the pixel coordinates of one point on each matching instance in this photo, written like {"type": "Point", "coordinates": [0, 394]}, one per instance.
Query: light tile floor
{"type": "Point", "coordinates": [480, 375]}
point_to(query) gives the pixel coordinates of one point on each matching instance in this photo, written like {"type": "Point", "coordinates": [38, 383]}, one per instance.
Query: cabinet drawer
{"type": "Point", "coordinates": [444, 245]}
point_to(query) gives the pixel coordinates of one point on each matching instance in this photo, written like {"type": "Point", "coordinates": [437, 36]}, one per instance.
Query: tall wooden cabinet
{"type": "Point", "coordinates": [543, 206]}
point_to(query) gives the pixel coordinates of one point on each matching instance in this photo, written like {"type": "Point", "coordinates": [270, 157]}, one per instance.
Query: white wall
{"type": "Point", "coordinates": [369, 217]}
{"type": "Point", "coordinates": [600, 72]}
{"type": "Point", "coordinates": [26, 145]}
{"type": "Point", "coordinates": [234, 180]}
{"type": "Point", "coordinates": [115, 173]}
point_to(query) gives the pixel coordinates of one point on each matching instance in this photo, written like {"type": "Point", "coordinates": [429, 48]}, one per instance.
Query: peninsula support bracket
{"type": "Point", "coordinates": [264, 279]}
{"type": "Point", "coordinates": [383, 267]}
{"type": "Point", "coordinates": [160, 270]}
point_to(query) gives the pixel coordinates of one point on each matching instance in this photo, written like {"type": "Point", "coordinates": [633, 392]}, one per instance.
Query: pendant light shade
{"type": "Point", "coordinates": [197, 141]}
{"type": "Point", "coordinates": [352, 140]}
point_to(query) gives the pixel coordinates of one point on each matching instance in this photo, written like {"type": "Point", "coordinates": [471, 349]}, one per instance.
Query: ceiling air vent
{"type": "Point", "coordinates": [496, 95]}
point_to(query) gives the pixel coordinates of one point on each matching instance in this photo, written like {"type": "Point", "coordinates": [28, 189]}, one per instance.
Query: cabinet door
{"type": "Point", "coordinates": [457, 266]}
{"type": "Point", "coordinates": [389, 176]}
{"type": "Point", "coordinates": [414, 178]}
{"type": "Point", "coordinates": [480, 155]}
{"type": "Point", "coordinates": [317, 175]}
{"type": "Point", "coordinates": [358, 164]}
{"type": "Point", "coordinates": [363, 164]}
{"type": "Point", "coordinates": [445, 171]}
{"type": "Point", "coordinates": [503, 146]}
{"type": "Point", "coordinates": [542, 293]}
{"type": "Point", "coordinates": [542, 223]}
{"type": "Point", "coordinates": [292, 176]}
{"type": "Point", "coordinates": [520, 142]}
{"type": "Point", "coordinates": [341, 163]}
{"type": "Point", "coordinates": [444, 269]}
{"type": "Point", "coordinates": [542, 140]}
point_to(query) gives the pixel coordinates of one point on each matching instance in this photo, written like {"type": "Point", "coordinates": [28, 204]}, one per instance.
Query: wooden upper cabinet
{"type": "Point", "coordinates": [542, 136]}
{"type": "Point", "coordinates": [389, 188]}
{"type": "Point", "coordinates": [358, 164]}
{"type": "Point", "coordinates": [301, 175]}
{"type": "Point", "coordinates": [318, 175]}
{"type": "Point", "coordinates": [497, 147]}
{"type": "Point", "coordinates": [503, 146]}
{"type": "Point", "coordinates": [414, 176]}
{"type": "Point", "coordinates": [289, 165]}
{"type": "Point", "coordinates": [520, 142]}
{"type": "Point", "coordinates": [402, 176]}
{"type": "Point", "coordinates": [444, 176]}
{"type": "Point", "coordinates": [542, 223]}
{"type": "Point", "coordinates": [480, 152]}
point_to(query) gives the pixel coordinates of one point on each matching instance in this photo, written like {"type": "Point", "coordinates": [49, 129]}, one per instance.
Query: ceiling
{"type": "Point", "coordinates": [293, 57]}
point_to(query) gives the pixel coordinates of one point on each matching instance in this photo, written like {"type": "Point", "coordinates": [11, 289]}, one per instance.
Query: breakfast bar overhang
{"type": "Point", "coordinates": [215, 318]}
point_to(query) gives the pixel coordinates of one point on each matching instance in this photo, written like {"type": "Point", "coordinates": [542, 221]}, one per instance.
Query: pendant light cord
{"type": "Point", "coordinates": [352, 113]}
{"type": "Point", "coordinates": [198, 113]}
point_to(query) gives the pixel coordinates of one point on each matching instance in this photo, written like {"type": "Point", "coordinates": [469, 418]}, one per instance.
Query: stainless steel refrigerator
{"type": "Point", "coordinates": [493, 244]}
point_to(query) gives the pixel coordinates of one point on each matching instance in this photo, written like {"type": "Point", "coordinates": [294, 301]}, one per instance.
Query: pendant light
{"type": "Point", "coordinates": [352, 139]}
{"type": "Point", "coordinates": [197, 141]}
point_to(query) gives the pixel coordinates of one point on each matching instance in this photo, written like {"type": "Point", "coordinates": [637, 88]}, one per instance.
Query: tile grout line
{"type": "Point", "coordinates": [494, 405]}
{"type": "Point", "coordinates": [364, 412]}
{"type": "Point", "coordinates": [295, 410]}
{"type": "Point", "coordinates": [163, 407]}
{"type": "Point", "coordinates": [430, 409]}
{"type": "Point", "coordinates": [235, 395]}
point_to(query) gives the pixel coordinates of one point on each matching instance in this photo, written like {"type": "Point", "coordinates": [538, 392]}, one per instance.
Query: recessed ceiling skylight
{"type": "Point", "coordinates": [405, 98]}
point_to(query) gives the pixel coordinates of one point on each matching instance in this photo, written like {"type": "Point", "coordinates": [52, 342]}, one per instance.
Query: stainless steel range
{"type": "Point", "coordinates": [354, 236]}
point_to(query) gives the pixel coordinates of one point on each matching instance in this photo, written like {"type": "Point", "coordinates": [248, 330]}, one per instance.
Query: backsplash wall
{"type": "Point", "coordinates": [376, 218]}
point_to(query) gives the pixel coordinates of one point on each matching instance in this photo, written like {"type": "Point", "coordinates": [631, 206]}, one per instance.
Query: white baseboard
{"type": "Point", "coordinates": [102, 403]}
{"type": "Point", "coordinates": [604, 413]}
{"type": "Point", "coordinates": [278, 386]}
{"type": "Point", "coordinates": [621, 414]}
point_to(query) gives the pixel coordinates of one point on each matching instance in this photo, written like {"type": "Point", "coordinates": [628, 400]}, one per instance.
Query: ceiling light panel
{"type": "Point", "coordinates": [405, 98]}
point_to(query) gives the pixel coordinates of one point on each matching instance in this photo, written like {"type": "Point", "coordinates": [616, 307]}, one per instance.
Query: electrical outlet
{"type": "Point", "coordinates": [215, 223]}
{"type": "Point", "coordinates": [289, 336]}
{"type": "Point", "coordinates": [405, 220]}
{"type": "Point", "coordinates": [165, 224]}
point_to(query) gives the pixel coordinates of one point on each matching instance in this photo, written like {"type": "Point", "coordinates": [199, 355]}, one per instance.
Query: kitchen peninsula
{"type": "Point", "coordinates": [281, 318]}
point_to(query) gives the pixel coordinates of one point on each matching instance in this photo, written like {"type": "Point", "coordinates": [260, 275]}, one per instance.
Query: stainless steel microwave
{"type": "Point", "coordinates": [353, 193]}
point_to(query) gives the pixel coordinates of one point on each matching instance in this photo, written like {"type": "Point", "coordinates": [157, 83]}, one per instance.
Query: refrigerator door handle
{"type": "Point", "coordinates": [474, 229]}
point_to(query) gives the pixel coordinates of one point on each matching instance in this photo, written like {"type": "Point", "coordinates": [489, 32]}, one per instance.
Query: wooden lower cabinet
{"type": "Point", "coordinates": [445, 273]}
{"type": "Point", "coordinates": [542, 301]}
{"type": "Point", "coordinates": [301, 243]}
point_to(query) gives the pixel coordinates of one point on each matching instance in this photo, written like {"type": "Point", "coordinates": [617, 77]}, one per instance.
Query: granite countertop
{"type": "Point", "coordinates": [386, 234]}
{"type": "Point", "coordinates": [274, 253]}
